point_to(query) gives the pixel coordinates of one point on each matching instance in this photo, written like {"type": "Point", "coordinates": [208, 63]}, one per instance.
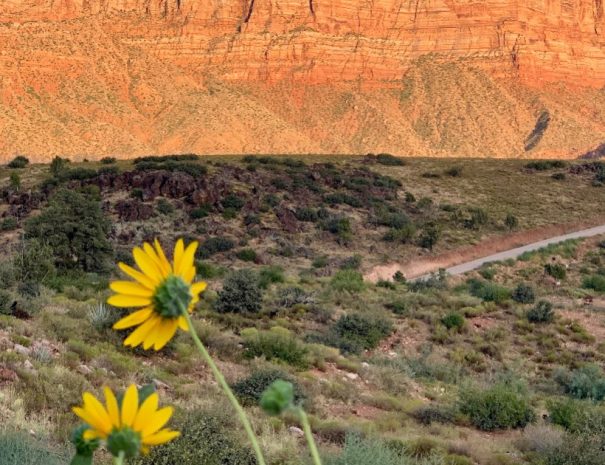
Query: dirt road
{"type": "Point", "coordinates": [420, 272]}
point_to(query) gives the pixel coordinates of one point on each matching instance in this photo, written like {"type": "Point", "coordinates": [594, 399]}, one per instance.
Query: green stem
{"type": "Point", "coordinates": [304, 420]}
{"type": "Point", "coordinates": [119, 460]}
{"type": "Point", "coordinates": [225, 386]}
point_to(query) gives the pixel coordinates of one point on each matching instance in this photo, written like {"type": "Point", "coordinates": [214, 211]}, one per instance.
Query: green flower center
{"type": "Point", "coordinates": [124, 440]}
{"type": "Point", "coordinates": [171, 297]}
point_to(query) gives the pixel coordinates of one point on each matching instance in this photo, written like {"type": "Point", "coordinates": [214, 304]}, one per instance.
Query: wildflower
{"type": "Point", "coordinates": [128, 429]}
{"type": "Point", "coordinates": [162, 291]}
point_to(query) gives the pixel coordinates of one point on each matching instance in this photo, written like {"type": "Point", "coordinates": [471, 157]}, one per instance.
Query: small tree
{"type": "Point", "coordinates": [18, 162]}
{"type": "Point", "coordinates": [15, 181]}
{"type": "Point", "coordinates": [241, 293]}
{"type": "Point", "coordinates": [542, 313]}
{"type": "Point", "coordinates": [524, 294]}
{"type": "Point", "coordinates": [75, 228]}
{"type": "Point", "coordinates": [58, 166]}
{"type": "Point", "coordinates": [430, 236]}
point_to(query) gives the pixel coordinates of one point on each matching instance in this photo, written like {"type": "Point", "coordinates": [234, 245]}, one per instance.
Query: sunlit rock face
{"type": "Point", "coordinates": [422, 77]}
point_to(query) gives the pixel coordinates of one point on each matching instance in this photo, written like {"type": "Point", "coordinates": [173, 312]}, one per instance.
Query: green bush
{"type": "Point", "coordinates": [511, 222]}
{"type": "Point", "coordinates": [351, 263]}
{"type": "Point", "coordinates": [357, 332]}
{"type": "Point", "coordinates": [574, 415]}
{"type": "Point", "coordinates": [250, 389]}
{"type": "Point", "coordinates": [340, 226]}
{"type": "Point", "coordinates": [542, 313]}
{"type": "Point", "coordinates": [241, 293]}
{"type": "Point", "coordinates": [498, 407]}
{"type": "Point", "coordinates": [556, 270]}
{"type": "Point", "coordinates": [5, 302]}
{"type": "Point", "coordinates": [453, 320]}
{"type": "Point", "coordinates": [214, 245]}
{"type": "Point", "coordinates": [543, 165]}
{"type": "Point", "coordinates": [206, 270]}
{"type": "Point", "coordinates": [75, 228]}
{"type": "Point", "coordinates": [430, 236]}
{"type": "Point", "coordinates": [276, 344]}
{"type": "Point", "coordinates": [595, 282]}
{"type": "Point", "coordinates": [200, 212]}
{"type": "Point", "coordinates": [489, 292]}
{"type": "Point", "coordinates": [271, 275]}
{"type": "Point", "coordinates": [207, 438]}
{"type": "Point", "coordinates": [398, 307]}
{"type": "Point", "coordinates": [306, 214]}
{"type": "Point", "coordinates": [233, 201]}
{"type": "Point", "coordinates": [347, 280]}
{"type": "Point", "coordinates": [389, 160]}
{"type": "Point", "coordinates": [20, 449]}
{"type": "Point", "coordinates": [524, 294]}
{"type": "Point", "coordinates": [165, 207]}
{"type": "Point", "coordinates": [587, 382]}
{"type": "Point", "coordinates": [578, 449]}
{"type": "Point", "coordinates": [247, 255]}
{"type": "Point", "coordinates": [401, 235]}
{"type": "Point", "coordinates": [8, 224]}
{"type": "Point", "coordinates": [108, 160]}
{"type": "Point", "coordinates": [18, 162]}
{"type": "Point", "coordinates": [454, 171]}
{"type": "Point", "coordinates": [433, 414]}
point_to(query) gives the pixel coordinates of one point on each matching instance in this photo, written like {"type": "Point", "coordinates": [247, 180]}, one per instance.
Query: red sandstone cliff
{"type": "Point", "coordinates": [424, 77]}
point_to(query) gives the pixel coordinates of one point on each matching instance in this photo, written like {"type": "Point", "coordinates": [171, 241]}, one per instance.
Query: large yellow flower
{"type": "Point", "coordinates": [160, 290]}
{"type": "Point", "coordinates": [129, 429]}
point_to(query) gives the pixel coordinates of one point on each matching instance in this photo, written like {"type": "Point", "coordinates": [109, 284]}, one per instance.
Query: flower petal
{"type": "Point", "coordinates": [179, 248]}
{"type": "Point", "coordinates": [165, 332]}
{"type": "Point", "coordinates": [127, 301]}
{"type": "Point", "coordinates": [96, 409]}
{"type": "Point", "coordinates": [157, 421]}
{"type": "Point", "coordinates": [112, 407]}
{"type": "Point", "coordinates": [162, 255]}
{"type": "Point", "coordinates": [130, 405]}
{"type": "Point", "coordinates": [183, 323]}
{"type": "Point", "coordinates": [198, 288]}
{"type": "Point", "coordinates": [130, 288]}
{"type": "Point", "coordinates": [146, 281]}
{"type": "Point", "coordinates": [139, 334]}
{"type": "Point", "coordinates": [186, 262]}
{"type": "Point", "coordinates": [154, 256]}
{"type": "Point", "coordinates": [91, 420]}
{"type": "Point", "coordinates": [134, 319]}
{"type": "Point", "coordinates": [145, 414]}
{"type": "Point", "coordinates": [161, 437]}
{"type": "Point", "coordinates": [146, 264]}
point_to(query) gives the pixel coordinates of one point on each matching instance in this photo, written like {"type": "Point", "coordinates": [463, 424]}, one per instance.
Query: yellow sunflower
{"type": "Point", "coordinates": [160, 290]}
{"type": "Point", "coordinates": [130, 429]}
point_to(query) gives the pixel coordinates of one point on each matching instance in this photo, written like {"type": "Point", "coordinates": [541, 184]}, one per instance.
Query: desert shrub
{"type": "Point", "coordinates": [453, 320]}
{"type": "Point", "coordinates": [5, 302]}
{"type": "Point", "coordinates": [430, 236]}
{"type": "Point", "coordinates": [357, 332]}
{"type": "Point", "coordinates": [233, 201]}
{"type": "Point", "coordinates": [347, 280]}
{"type": "Point", "coordinates": [77, 174]}
{"type": "Point", "coordinates": [8, 224]}
{"type": "Point", "coordinates": [351, 263]}
{"type": "Point", "coordinates": [389, 160]}
{"type": "Point", "coordinates": [498, 407]}
{"type": "Point", "coordinates": [276, 344]}
{"type": "Point", "coordinates": [436, 281]}
{"type": "Point", "coordinates": [429, 414]}
{"type": "Point", "coordinates": [544, 165]}
{"type": "Point", "coordinates": [511, 222]}
{"type": "Point", "coordinates": [214, 245]}
{"type": "Point", "coordinates": [540, 438]}
{"type": "Point", "coordinates": [15, 181]}
{"type": "Point", "coordinates": [206, 270]}
{"type": "Point", "coordinates": [556, 270]}
{"type": "Point", "coordinates": [392, 219]}
{"type": "Point", "coordinates": [489, 292]}
{"type": "Point", "coordinates": [454, 171]}
{"type": "Point", "coordinates": [559, 176]}
{"type": "Point", "coordinates": [75, 228]}
{"type": "Point", "coordinates": [247, 255]}
{"type": "Point", "coordinates": [57, 166]}
{"type": "Point", "coordinates": [340, 226]}
{"type": "Point", "coordinates": [595, 282]}
{"type": "Point", "coordinates": [108, 160]}
{"type": "Point", "coordinates": [289, 296]}
{"type": "Point", "coordinates": [18, 162]}
{"type": "Point", "coordinates": [487, 272]}
{"type": "Point", "coordinates": [137, 193]}
{"type": "Point", "coordinates": [241, 293]}
{"type": "Point", "coordinates": [250, 389]}
{"type": "Point", "coordinates": [386, 284]}
{"type": "Point", "coordinates": [584, 449]}
{"type": "Point", "coordinates": [200, 212]}
{"type": "Point", "coordinates": [402, 235]}
{"type": "Point", "coordinates": [165, 207]}
{"type": "Point", "coordinates": [542, 313]}
{"type": "Point", "coordinates": [192, 169]}
{"type": "Point", "coordinates": [587, 382]}
{"type": "Point", "coordinates": [337, 198]}
{"type": "Point", "coordinates": [271, 275]}
{"type": "Point", "coordinates": [399, 277]}
{"type": "Point", "coordinates": [306, 214]}
{"type": "Point", "coordinates": [398, 307]}
{"type": "Point", "coordinates": [478, 218]}
{"type": "Point", "coordinates": [22, 449]}
{"type": "Point", "coordinates": [524, 294]}
{"type": "Point", "coordinates": [207, 438]}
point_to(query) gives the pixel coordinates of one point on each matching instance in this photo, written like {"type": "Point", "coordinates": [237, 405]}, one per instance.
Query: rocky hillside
{"type": "Point", "coordinates": [446, 77]}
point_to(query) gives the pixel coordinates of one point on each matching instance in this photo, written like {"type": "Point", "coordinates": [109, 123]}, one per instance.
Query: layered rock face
{"type": "Point", "coordinates": [412, 77]}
